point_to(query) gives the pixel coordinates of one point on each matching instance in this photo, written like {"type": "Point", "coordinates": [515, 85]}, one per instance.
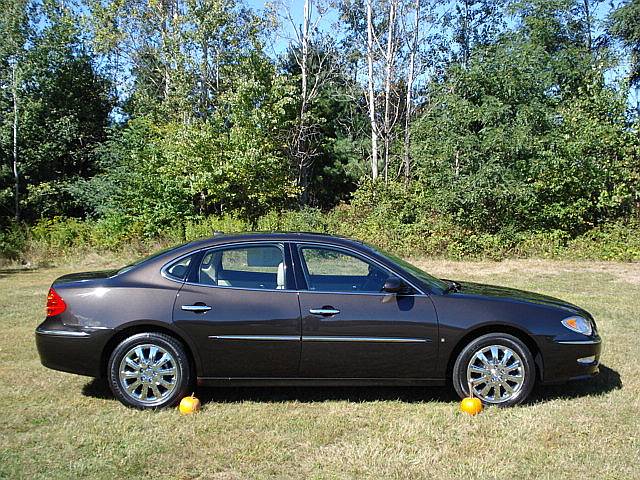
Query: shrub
{"type": "Point", "coordinates": [370, 221]}
{"type": "Point", "coordinates": [61, 234]}
{"type": "Point", "coordinates": [13, 241]}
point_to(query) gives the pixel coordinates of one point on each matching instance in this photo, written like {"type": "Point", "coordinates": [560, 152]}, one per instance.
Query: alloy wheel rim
{"type": "Point", "coordinates": [148, 373]}
{"type": "Point", "coordinates": [495, 374]}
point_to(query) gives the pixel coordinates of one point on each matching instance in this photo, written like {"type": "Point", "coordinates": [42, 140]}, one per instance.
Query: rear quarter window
{"type": "Point", "coordinates": [179, 269]}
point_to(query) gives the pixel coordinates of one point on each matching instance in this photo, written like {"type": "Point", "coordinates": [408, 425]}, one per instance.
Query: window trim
{"type": "Point", "coordinates": [165, 269]}
{"type": "Point", "coordinates": [201, 252]}
{"type": "Point", "coordinates": [292, 266]}
{"type": "Point", "coordinates": [355, 253]}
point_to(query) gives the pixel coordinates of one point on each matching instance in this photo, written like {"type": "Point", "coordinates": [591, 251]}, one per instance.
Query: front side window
{"type": "Point", "coordinates": [330, 270]}
{"type": "Point", "coordinates": [244, 267]}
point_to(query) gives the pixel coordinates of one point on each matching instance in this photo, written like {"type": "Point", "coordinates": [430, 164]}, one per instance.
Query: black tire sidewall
{"type": "Point", "coordinates": [459, 375]}
{"type": "Point", "coordinates": [165, 341]}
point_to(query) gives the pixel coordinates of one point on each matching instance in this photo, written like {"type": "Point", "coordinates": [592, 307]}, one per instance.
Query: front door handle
{"type": "Point", "coordinates": [324, 311]}
{"type": "Point", "coordinates": [196, 308]}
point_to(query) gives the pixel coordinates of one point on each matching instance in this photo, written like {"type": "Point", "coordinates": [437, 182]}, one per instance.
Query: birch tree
{"type": "Point", "coordinates": [390, 63]}
{"type": "Point", "coordinates": [14, 30]}
{"type": "Point", "coordinates": [371, 97]}
{"type": "Point", "coordinates": [413, 50]}
{"type": "Point", "coordinates": [314, 57]}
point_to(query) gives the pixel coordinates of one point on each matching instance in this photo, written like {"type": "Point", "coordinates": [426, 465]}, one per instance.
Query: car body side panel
{"type": "Point", "coordinates": [373, 336]}
{"type": "Point", "coordinates": [247, 332]}
{"type": "Point", "coordinates": [460, 314]}
{"type": "Point", "coordinates": [115, 304]}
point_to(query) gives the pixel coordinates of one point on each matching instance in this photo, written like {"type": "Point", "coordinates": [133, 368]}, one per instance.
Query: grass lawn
{"type": "Point", "coordinates": [57, 425]}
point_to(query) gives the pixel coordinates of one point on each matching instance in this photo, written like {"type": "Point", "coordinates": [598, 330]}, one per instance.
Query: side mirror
{"type": "Point", "coordinates": [394, 285]}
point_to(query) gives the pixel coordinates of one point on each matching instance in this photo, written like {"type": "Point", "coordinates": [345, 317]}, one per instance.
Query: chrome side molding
{"type": "Point", "coordinates": [264, 338]}
{"type": "Point", "coordinates": [63, 333]}
{"type": "Point", "coordinates": [311, 338]}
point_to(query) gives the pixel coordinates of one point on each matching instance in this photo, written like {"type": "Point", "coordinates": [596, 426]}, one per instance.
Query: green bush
{"type": "Point", "coordinates": [13, 241]}
{"type": "Point", "coordinates": [617, 241]}
{"type": "Point", "coordinates": [370, 220]}
{"type": "Point", "coordinates": [206, 227]}
{"type": "Point", "coordinates": [61, 234]}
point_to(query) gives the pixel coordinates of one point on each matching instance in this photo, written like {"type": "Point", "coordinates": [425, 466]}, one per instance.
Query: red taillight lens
{"type": "Point", "coordinates": [55, 303]}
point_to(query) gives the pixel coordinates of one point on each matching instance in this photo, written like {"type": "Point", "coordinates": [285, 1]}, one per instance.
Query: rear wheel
{"type": "Point", "coordinates": [498, 367]}
{"type": "Point", "coordinates": [149, 370]}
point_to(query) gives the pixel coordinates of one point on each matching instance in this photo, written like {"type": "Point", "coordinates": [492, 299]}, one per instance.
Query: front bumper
{"type": "Point", "coordinates": [71, 349]}
{"type": "Point", "coordinates": [566, 360]}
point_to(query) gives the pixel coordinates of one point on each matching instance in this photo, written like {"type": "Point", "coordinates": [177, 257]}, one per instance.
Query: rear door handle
{"type": "Point", "coordinates": [324, 311]}
{"type": "Point", "coordinates": [196, 308]}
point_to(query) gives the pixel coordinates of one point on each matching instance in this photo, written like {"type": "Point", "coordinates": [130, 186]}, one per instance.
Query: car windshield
{"type": "Point", "coordinates": [412, 269]}
{"type": "Point", "coordinates": [144, 259]}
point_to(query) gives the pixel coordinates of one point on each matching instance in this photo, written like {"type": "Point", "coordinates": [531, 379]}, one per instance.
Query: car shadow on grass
{"type": "Point", "coordinates": [607, 381]}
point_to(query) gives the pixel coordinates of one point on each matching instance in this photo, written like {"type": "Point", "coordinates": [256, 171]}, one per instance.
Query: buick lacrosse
{"type": "Point", "coordinates": [306, 309]}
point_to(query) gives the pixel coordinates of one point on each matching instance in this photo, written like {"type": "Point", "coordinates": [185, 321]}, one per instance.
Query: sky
{"type": "Point", "coordinates": [295, 10]}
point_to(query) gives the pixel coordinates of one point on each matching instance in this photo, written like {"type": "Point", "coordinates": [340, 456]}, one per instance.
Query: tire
{"type": "Point", "coordinates": [149, 370]}
{"type": "Point", "coordinates": [505, 380]}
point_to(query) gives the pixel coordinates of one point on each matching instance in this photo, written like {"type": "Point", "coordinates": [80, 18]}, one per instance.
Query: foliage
{"type": "Point", "coordinates": [141, 121]}
{"type": "Point", "coordinates": [13, 242]}
{"type": "Point", "coordinates": [163, 174]}
{"type": "Point", "coordinates": [512, 143]}
{"type": "Point", "coordinates": [625, 24]}
{"type": "Point", "coordinates": [434, 236]}
{"type": "Point", "coordinates": [63, 105]}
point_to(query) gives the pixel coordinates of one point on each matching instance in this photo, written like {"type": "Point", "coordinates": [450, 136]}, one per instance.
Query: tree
{"type": "Point", "coordinates": [311, 59]}
{"type": "Point", "coordinates": [527, 136]}
{"type": "Point", "coordinates": [624, 23]}
{"type": "Point", "coordinates": [371, 90]}
{"type": "Point", "coordinates": [65, 112]}
{"type": "Point", "coordinates": [413, 50]}
{"type": "Point", "coordinates": [59, 107]}
{"type": "Point", "coordinates": [14, 30]}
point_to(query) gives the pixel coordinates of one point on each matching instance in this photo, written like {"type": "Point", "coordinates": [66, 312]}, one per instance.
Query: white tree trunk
{"type": "Point", "coordinates": [16, 175]}
{"type": "Point", "coordinates": [301, 146]}
{"type": "Point", "coordinates": [306, 16]}
{"type": "Point", "coordinates": [408, 103]}
{"type": "Point", "coordinates": [371, 93]}
{"type": "Point", "coordinates": [389, 67]}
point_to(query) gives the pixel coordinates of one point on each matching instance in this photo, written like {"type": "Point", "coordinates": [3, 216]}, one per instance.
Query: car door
{"type": "Point", "coordinates": [351, 329]}
{"type": "Point", "coordinates": [238, 307]}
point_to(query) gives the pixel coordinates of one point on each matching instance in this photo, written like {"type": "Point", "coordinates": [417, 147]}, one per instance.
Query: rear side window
{"type": "Point", "coordinates": [179, 269]}
{"type": "Point", "coordinates": [260, 267]}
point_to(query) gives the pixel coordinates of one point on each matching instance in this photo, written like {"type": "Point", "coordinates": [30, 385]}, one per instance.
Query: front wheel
{"type": "Point", "coordinates": [149, 370]}
{"type": "Point", "coordinates": [498, 367]}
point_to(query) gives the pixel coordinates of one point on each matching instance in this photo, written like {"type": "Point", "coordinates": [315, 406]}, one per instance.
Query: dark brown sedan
{"type": "Point", "coordinates": [305, 309]}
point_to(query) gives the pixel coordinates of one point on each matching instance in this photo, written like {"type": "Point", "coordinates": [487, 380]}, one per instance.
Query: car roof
{"type": "Point", "coordinates": [221, 239]}
{"type": "Point", "coordinates": [224, 238]}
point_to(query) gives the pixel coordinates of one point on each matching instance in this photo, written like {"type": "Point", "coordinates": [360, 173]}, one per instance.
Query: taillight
{"type": "Point", "coordinates": [55, 303]}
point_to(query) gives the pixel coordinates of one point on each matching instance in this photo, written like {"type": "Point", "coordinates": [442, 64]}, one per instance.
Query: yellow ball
{"type": "Point", "coordinates": [471, 406]}
{"type": "Point", "coordinates": [189, 405]}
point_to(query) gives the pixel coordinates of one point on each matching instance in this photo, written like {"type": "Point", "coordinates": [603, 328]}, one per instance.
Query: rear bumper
{"type": "Point", "coordinates": [71, 349]}
{"type": "Point", "coordinates": [571, 360]}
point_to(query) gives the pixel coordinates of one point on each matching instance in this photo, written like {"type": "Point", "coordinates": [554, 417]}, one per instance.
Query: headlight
{"type": "Point", "coordinates": [578, 324]}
